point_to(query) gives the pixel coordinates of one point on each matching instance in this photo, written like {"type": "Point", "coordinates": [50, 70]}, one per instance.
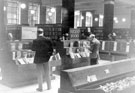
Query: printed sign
{"type": "Point", "coordinates": [29, 32]}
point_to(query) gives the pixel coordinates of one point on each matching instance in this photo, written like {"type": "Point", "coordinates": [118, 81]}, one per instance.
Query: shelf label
{"type": "Point", "coordinates": [91, 78]}
{"type": "Point", "coordinates": [107, 71]}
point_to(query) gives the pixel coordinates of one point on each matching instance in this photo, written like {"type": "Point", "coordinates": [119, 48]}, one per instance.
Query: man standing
{"type": "Point", "coordinates": [43, 48]}
{"type": "Point", "coordinates": [94, 48]}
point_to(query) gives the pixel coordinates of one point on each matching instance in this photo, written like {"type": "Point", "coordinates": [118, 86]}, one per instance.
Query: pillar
{"type": "Point", "coordinates": [3, 33]}
{"type": "Point", "coordinates": [108, 17]}
{"type": "Point", "coordinates": [42, 14]}
{"type": "Point", "coordinates": [132, 27]}
{"type": "Point", "coordinates": [67, 15]}
{"type": "Point", "coordinates": [58, 14]}
{"type": "Point", "coordinates": [24, 14]}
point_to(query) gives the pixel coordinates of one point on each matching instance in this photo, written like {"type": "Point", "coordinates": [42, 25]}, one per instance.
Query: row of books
{"type": "Point", "coordinates": [52, 33]}
{"type": "Point", "coordinates": [79, 55]}
{"type": "Point", "coordinates": [22, 61]}
{"type": "Point", "coordinates": [76, 43]}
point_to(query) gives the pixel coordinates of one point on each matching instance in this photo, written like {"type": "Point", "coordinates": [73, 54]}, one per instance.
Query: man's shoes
{"type": "Point", "coordinates": [39, 89]}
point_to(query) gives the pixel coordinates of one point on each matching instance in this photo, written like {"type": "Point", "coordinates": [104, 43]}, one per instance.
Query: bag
{"type": "Point", "coordinates": [55, 60]}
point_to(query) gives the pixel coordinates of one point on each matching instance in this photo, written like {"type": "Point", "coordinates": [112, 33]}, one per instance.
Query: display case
{"type": "Point", "coordinates": [107, 78]}
{"type": "Point", "coordinates": [17, 67]}
{"type": "Point", "coordinates": [76, 55]}
{"type": "Point", "coordinates": [116, 50]}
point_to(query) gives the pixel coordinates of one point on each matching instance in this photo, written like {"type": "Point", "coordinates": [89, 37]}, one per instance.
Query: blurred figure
{"type": "Point", "coordinates": [94, 48]}
{"type": "Point", "coordinates": [43, 48]}
{"type": "Point", "coordinates": [10, 36]}
{"type": "Point", "coordinates": [112, 36]}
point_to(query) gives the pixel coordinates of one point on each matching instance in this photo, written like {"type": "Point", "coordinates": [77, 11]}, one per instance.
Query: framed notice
{"type": "Point", "coordinates": [74, 33]}
{"type": "Point", "coordinates": [29, 33]}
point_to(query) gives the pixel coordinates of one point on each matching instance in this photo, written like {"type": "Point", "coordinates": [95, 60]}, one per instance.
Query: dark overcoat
{"type": "Point", "coordinates": [43, 49]}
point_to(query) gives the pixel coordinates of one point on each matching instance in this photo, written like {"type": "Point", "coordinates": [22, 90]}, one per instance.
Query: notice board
{"type": "Point", "coordinates": [29, 33]}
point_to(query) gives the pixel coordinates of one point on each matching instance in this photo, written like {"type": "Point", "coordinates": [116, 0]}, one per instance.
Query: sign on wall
{"type": "Point", "coordinates": [29, 32]}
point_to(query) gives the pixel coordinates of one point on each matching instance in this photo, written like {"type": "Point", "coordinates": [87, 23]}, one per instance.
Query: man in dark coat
{"type": "Point", "coordinates": [43, 49]}
{"type": "Point", "coordinates": [94, 48]}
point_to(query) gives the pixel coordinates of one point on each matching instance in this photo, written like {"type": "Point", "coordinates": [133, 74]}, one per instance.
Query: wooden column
{"type": "Point", "coordinates": [42, 14]}
{"type": "Point", "coordinates": [24, 13]}
{"type": "Point", "coordinates": [132, 31]}
{"type": "Point", "coordinates": [58, 14]}
{"type": "Point", "coordinates": [3, 33]}
{"type": "Point", "coordinates": [108, 17]}
{"type": "Point", "coordinates": [67, 15]}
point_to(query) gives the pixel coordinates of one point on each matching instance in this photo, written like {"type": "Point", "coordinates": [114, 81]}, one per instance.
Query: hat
{"type": "Point", "coordinates": [40, 29]}
{"type": "Point", "coordinates": [92, 36]}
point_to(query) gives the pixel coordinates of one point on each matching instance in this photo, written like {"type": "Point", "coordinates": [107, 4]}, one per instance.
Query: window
{"type": "Point", "coordinates": [89, 19]}
{"type": "Point", "coordinates": [51, 15]}
{"type": "Point", "coordinates": [101, 18]}
{"type": "Point", "coordinates": [33, 14]}
{"type": "Point", "coordinates": [77, 21]}
{"type": "Point", "coordinates": [13, 12]}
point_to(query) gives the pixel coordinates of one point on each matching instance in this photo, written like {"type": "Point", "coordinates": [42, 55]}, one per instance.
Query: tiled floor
{"type": "Point", "coordinates": [32, 88]}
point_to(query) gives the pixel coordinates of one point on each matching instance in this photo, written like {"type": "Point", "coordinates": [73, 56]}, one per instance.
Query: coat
{"type": "Point", "coordinates": [95, 45]}
{"type": "Point", "coordinates": [43, 49]}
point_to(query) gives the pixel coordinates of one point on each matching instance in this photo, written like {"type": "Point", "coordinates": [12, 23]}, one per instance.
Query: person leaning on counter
{"type": "Point", "coordinates": [43, 48]}
{"type": "Point", "coordinates": [94, 48]}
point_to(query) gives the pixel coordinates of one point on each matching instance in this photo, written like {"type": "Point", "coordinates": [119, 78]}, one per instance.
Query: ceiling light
{"type": "Point", "coordinates": [116, 21]}
{"type": "Point", "coordinates": [4, 8]}
{"type": "Point", "coordinates": [101, 16]}
{"type": "Point", "coordinates": [50, 14]}
{"type": "Point", "coordinates": [115, 18]}
{"type": "Point", "coordinates": [52, 9]}
{"type": "Point", "coordinates": [32, 12]}
{"type": "Point", "coordinates": [82, 17]}
{"type": "Point", "coordinates": [23, 6]}
{"type": "Point", "coordinates": [96, 19]}
{"type": "Point", "coordinates": [123, 19]}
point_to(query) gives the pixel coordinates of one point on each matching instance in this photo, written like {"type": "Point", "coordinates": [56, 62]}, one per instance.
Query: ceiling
{"type": "Point", "coordinates": [97, 5]}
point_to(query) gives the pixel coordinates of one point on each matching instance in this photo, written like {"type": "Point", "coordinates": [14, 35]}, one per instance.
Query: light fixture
{"type": "Point", "coordinates": [116, 21]}
{"type": "Point", "coordinates": [50, 14]}
{"type": "Point", "coordinates": [115, 18]}
{"type": "Point", "coordinates": [4, 8]}
{"type": "Point", "coordinates": [123, 19]}
{"type": "Point", "coordinates": [96, 19]}
{"type": "Point", "coordinates": [32, 12]}
{"type": "Point", "coordinates": [52, 9]}
{"type": "Point", "coordinates": [101, 16]}
{"type": "Point", "coordinates": [23, 5]}
{"type": "Point", "coordinates": [82, 17]}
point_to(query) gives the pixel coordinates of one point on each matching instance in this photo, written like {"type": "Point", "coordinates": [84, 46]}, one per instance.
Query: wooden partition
{"type": "Point", "coordinates": [89, 79]}
{"type": "Point", "coordinates": [116, 50]}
